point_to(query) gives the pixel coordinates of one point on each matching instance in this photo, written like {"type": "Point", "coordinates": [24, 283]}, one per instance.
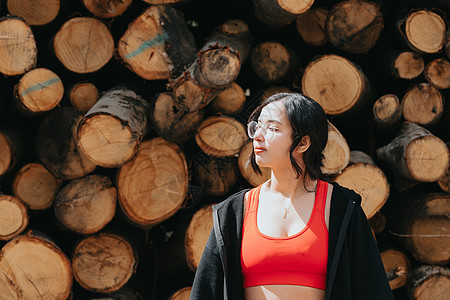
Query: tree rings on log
{"type": "Point", "coordinates": [221, 136]}
{"type": "Point", "coordinates": [429, 283]}
{"type": "Point", "coordinates": [335, 83]}
{"type": "Point", "coordinates": [39, 90]}
{"type": "Point", "coordinates": [364, 177]}
{"type": "Point", "coordinates": [111, 131]}
{"type": "Point", "coordinates": [34, 268]}
{"type": "Point", "coordinates": [311, 26]}
{"type": "Point", "coordinates": [354, 25]}
{"type": "Point", "coordinates": [83, 45]}
{"type": "Point", "coordinates": [18, 48]}
{"type": "Point", "coordinates": [107, 8]}
{"type": "Point", "coordinates": [425, 31]}
{"type": "Point", "coordinates": [423, 104]}
{"type": "Point", "coordinates": [336, 153]}
{"type": "Point", "coordinates": [181, 294]}
{"type": "Point", "coordinates": [34, 12]}
{"type": "Point", "coordinates": [197, 234]}
{"type": "Point", "coordinates": [437, 73]}
{"type": "Point", "coordinates": [56, 144]}
{"type": "Point", "coordinates": [378, 222]}
{"type": "Point", "coordinates": [103, 263]}
{"type": "Point", "coordinates": [35, 186]}
{"type": "Point", "coordinates": [83, 96]}
{"type": "Point", "coordinates": [153, 186]}
{"type": "Point", "coordinates": [229, 101]}
{"type": "Point", "coordinates": [14, 218]}
{"type": "Point", "coordinates": [279, 13]}
{"type": "Point", "coordinates": [408, 65]}
{"type": "Point", "coordinates": [86, 205]}
{"type": "Point", "coordinates": [397, 267]}
{"type": "Point", "coordinates": [386, 111]}
{"type": "Point", "coordinates": [246, 169]}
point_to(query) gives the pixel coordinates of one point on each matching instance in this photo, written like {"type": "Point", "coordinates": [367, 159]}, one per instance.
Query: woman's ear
{"type": "Point", "coordinates": [304, 144]}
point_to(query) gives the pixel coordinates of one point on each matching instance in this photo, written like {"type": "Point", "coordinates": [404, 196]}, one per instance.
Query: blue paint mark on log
{"type": "Point", "coordinates": [159, 39]}
{"type": "Point", "coordinates": [40, 86]}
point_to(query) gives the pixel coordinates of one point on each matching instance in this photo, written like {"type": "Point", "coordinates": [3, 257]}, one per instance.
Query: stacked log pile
{"type": "Point", "coordinates": [123, 122]}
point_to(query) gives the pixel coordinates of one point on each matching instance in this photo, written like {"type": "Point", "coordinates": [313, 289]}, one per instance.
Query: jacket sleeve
{"type": "Point", "coordinates": [209, 276]}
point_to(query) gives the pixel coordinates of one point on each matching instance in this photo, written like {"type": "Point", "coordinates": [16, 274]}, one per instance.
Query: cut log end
{"type": "Point", "coordinates": [429, 283]}
{"type": "Point", "coordinates": [234, 27]}
{"type": "Point", "coordinates": [14, 218]}
{"type": "Point", "coordinates": [107, 9]}
{"type": "Point", "coordinates": [408, 65]}
{"type": "Point", "coordinates": [218, 68]}
{"type": "Point", "coordinates": [386, 110]}
{"type": "Point", "coordinates": [217, 176]}
{"type": "Point", "coordinates": [229, 101]}
{"type": "Point", "coordinates": [83, 96]}
{"type": "Point", "coordinates": [271, 61]}
{"type": "Point", "coordinates": [397, 263]}
{"type": "Point", "coordinates": [425, 31]}
{"type": "Point", "coordinates": [295, 7]}
{"type": "Point", "coordinates": [336, 153]}
{"type": "Point", "coordinates": [38, 12]}
{"type": "Point", "coordinates": [437, 73]}
{"type": "Point", "coordinates": [311, 26]}
{"type": "Point", "coordinates": [182, 294]}
{"type": "Point", "coordinates": [6, 154]}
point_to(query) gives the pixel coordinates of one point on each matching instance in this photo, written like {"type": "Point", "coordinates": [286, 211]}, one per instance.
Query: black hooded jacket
{"type": "Point", "coordinates": [354, 271]}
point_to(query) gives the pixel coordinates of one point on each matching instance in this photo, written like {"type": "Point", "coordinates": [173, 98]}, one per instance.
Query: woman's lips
{"type": "Point", "coordinates": [258, 150]}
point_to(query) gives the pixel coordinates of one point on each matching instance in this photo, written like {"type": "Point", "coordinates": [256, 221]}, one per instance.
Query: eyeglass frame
{"type": "Point", "coordinates": [265, 126]}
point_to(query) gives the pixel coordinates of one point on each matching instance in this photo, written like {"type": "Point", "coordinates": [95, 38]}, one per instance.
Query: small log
{"type": "Point", "coordinates": [272, 90]}
{"type": "Point", "coordinates": [11, 145]}
{"type": "Point", "coordinates": [429, 283]}
{"type": "Point", "coordinates": [35, 186]}
{"type": "Point", "coordinates": [217, 66]}
{"type": "Point", "coordinates": [153, 186]}
{"type": "Point", "coordinates": [158, 44]}
{"type": "Point", "coordinates": [423, 104]}
{"type": "Point", "coordinates": [279, 13]}
{"type": "Point", "coordinates": [437, 73]}
{"type": "Point", "coordinates": [14, 218]}
{"type": "Point", "coordinates": [368, 180]}
{"type": "Point", "coordinates": [230, 101]}
{"type": "Point", "coordinates": [170, 121]}
{"type": "Point", "coordinates": [355, 25]}
{"type": "Point", "coordinates": [274, 62]}
{"type": "Point", "coordinates": [18, 48]}
{"type": "Point", "coordinates": [386, 112]}
{"type": "Point", "coordinates": [407, 65]}
{"type": "Point", "coordinates": [246, 169]}
{"type": "Point", "coordinates": [378, 222]}
{"type": "Point", "coordinates": [110, 132]}
{"type": "Point", "coordinates": [39, 90]}
{"type": "Point", "coordinates": [311, 26]}
{"type": "Point", "coordinates": [34, 12]}
{"type": "Point", "coordinates": [56, 144]}
{"type": "Point", "coordinates": [83, 45]}
{"type": "Point", "coordinates": [83, 96]}
{"type": "Point", "coordinates": [415, 155]}
{"type": "Point", "coordinates": [424, 31]}
{"type": "Point", "coordinates": [350, 86]}
{"type": "Point", "coordinates": [104, 262]}
{"type": "Point", "coordinates": [181, 294]}
{"type": "Point", "coordinates": [107, 8]}
{"type": "Point", "coordinates": [86, 205]}
{"type": "Point", "coordinates": [336, 153]}
{"type": "Point", "coordinates": [397, 267]}
{"type": "Point", "coordinates": [221, 136]}
{"type": "Point", "coordinates": [34, 268]}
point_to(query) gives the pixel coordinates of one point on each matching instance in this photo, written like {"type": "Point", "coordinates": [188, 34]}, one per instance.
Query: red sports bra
{"type": "Point", "coordinates": [299, 259]}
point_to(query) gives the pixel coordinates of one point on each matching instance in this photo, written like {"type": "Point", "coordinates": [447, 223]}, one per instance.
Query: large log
{"type": "Point", "coordinates": [311, 26]}
{"type": "Point", "coordinates": [83, 95]}
{"type": "Point", "coordinates": [153, 186]}
{"type": "Point", "coordinates": [86, 205]}
{"type": "Point", "coordinates": [397, 267]}
{"type": "Point", "coordinates": [437, 73]}
{"type": "Point", "coordinates": [107, 8]}
{"type": "Point", "coordinates": [110, 132]}
{"type": "Point", "coordinates": [83, 45]}
{"type": "Point", "coordinates": [34, 12]}
{"type": "Point", "coordinates": [407, 65]}
{"type": "Point", "coordinates": [429, 283]}
{"type": "Point", "coordinates": [336, 153]}
{"type": "Point", "coordinates": [279, 13]}
{"type": "Point", "coordinates": [247, 171]}
{"type": "Point", "coordinates": [14, 218]}
{"type": "Point", "coordinates": [387, 112]}
{"type": "Point", "coordinates": [18, 48]}
{"type": "Point", "coordinates": [158, 44]}
{"type": "Point", "coordinates": [414, 155]}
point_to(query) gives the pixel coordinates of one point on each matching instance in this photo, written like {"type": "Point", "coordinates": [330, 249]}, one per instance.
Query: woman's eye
{"type": "Point", "coordinates": [274, 129]}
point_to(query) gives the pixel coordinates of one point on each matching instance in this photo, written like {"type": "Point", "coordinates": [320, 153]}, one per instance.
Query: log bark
{"type": "Point", "coordinates": [414, 155]}
{"type": "Point", "coordinates": [368, 180]}
{"type": "Point", "coordinates": [14, 218]}
{"type": "Point", "coordinates": [39, 90]}
{"type": "Point", "coordinates": [354, 26]}
{"type": "Point", "coordinates": [104, 262]}
{"type": "Point", "coordinates": [153, 186]}
{"type": "Point", "coordinates": [311, 26]}
{"type": "Point", "coordinates": [444, 181]}
{"type": "Point", "coordinates": [34, 12]}
{"type": "Point", "coordinates": [387, 112]}
{"type": "Point", "coordinates": [34, 268]}
{"type": "Point", "coordinates": [170, 120]}
{"type": "Point", "coordinates": [397, 267]}
{"type": "Point", "coordinates": [230, 101]}
{"type": "Point", "coordinates": [86, 205]}
{"type": "Point", "coordinates": [336, 83]}
{"type": "Point", "coordinates": [247, 172]}
{"type": "Point", "coordinates": [110, 132]}
{"type": "Point", "coordinates": [429, 283]}
{"type": "Point", "coordinates": [423, 104]}
{"type": "Point", "coordinates": [408, 65]}
{"type": "Point", "coordinates": [18, 48]}
{"type": "Point", "coordinates": [56, 144]}
{"type": "Point", "coordinates": [107, 8]}
{"type": "Point", "coordinates": [279, 13]}
{"type": "Point", "coordinates": [83, 45]}
{"type": "Point", "coordinates": [158, 44]}
{"type": "Point", "coordinates": [181, 294]}
{"type": "Point", "coordinates": [336, 153]}
{"type": "Point", "coordinates": [437, 73]}
{"type": "Point", "coordinates": [83, 96]}
{"type": "Point", "coordinates": [36, 186]}
{"type": "Point", "coordinates": [221, 136]}
{"type": "Point", "coordinates": [11, 145]}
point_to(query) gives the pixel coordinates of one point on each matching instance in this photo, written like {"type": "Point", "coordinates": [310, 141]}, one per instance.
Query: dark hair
{"type": "Point", "coordinates": [306, 117]}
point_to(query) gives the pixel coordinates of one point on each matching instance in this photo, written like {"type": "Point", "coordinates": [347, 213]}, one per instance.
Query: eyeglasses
{"type": "Point", "coordinates": [268, 129]}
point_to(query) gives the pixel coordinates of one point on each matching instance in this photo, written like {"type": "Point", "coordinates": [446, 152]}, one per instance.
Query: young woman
{"type": "Point", "coordinates": [295, 236]}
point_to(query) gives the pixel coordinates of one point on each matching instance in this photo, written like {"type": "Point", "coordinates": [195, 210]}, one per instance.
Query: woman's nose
{"type": "Point", "coordinates": [259, 134]}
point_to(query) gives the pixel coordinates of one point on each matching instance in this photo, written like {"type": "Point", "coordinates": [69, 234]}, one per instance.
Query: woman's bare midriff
{"type": "Point", "coordinates": [283, 292]}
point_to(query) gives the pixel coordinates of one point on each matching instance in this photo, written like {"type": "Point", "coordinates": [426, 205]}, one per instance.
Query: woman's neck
{"type": "Point", "coordinates": [287, 183]}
